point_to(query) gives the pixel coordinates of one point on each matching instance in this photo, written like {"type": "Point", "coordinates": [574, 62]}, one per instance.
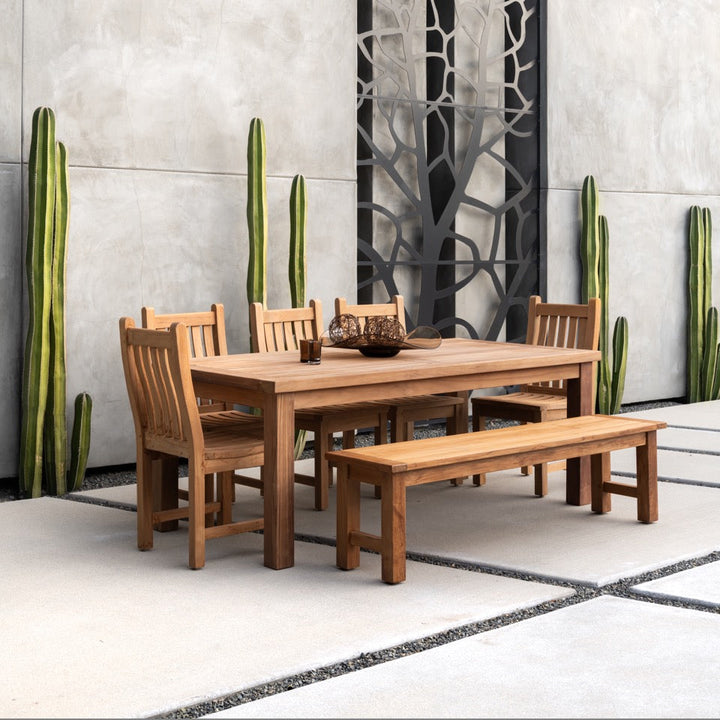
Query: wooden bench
{"type": "Point", "coordinates": [395, 466]}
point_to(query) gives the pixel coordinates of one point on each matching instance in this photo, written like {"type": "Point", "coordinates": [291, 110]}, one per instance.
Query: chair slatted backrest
{"type": "Point", "coordinates": [395, 308]}
{"type": "Point", "coordinates": [278, 330]}
{"type": "Point", "coordinates": [159, 384]}
{"type": "Point", "coordinates": [562, 325]}
{"type": "Point", "coordinates": [206, 337]}
{"type": "Point", "coordinates": [206, 330]}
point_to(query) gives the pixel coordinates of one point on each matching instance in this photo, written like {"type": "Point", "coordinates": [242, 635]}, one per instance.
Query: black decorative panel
{"type": "Point", "coordinates": [448, 161]}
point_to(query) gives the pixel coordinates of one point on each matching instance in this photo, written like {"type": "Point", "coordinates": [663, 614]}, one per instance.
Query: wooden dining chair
{"type": "Point", "coordinates": [168, 424]}
{"type": "Point", "coordinates": [405, 412]}
{"type": "Point", "coordinates": [206, 338]}
{"type": "Point", "coordinates": [282, 330]}
{"type": "Point", "coordinates": [549, 324]}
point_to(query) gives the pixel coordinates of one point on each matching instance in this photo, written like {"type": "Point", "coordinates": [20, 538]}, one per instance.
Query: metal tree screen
{"type": "Point", "coordinates": [448, 161]}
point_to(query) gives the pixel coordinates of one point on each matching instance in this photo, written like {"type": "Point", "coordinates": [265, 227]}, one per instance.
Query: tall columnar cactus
{"type": "Point", "coordinates": [595, 282]}
{"type": "Point", "coordinates": [43, 434]}
{"type": "Point", "coordinates": [38, 266]}
{"type": "Point", "coordinates": [703, 356]}
{"type": "Point", "coordinates": [257, 213]}
{"type": "Point", "coordinates": [297, 265]}
{"type": "Point", "coordinates": [297, 269]}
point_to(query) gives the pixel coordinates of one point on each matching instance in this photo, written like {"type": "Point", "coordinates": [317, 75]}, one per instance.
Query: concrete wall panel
{"type": "Point", "coordinates": [10, 79]}
{"type": "Point", "coordinates": [175, 85]}
{"type": "Point", "coordinates": [633, 88]}
{"type": "Point", "coordinates": [11, 279]}
{"type": "Point", "coordinates": [179, 242]}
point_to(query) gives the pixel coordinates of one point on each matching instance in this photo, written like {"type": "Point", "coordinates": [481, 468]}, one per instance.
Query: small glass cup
{"type": "Point", "coordinates": [310, 351]}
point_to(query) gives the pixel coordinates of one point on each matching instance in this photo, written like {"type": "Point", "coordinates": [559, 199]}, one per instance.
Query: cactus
{"type": "Point", "coordinates": [589, 235]}
{"type": "Point", "coordinates": [297, 269]}
{"type": "Point", "coordinates": [297, 265]}
{"type": "Point", "coordinates": [703, 351]}
{"type": "Point", "coordinates": [80, 443]}
{"type": "Point", "coordinates": [594, 255]}
{"type": "Point", "coordinates": [38, 264]}
{"type": "Point", "coordinates": [257, 213]}
{"type": "Point", "coordinates": [55, 430]}
{"type": "Point", "coordinates": [257, 231]}
{"type": "Point", "coordinates": [43, 434]}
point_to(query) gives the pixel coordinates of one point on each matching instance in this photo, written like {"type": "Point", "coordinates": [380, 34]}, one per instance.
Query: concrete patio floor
{"type": "Point", "coordinates": [514, 606]}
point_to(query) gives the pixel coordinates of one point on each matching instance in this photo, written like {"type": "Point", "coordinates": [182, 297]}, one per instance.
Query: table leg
{"type": "Point", "coordinates": [580, 401]}
{"type": "Point", "coordinates": [279, 477]}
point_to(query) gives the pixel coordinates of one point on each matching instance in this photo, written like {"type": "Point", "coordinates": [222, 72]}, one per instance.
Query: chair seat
{"type": "Point", "coordinates": [229, 417]}
{"type": "Point", "coordinates": [521, 406]}
{"type": "Point", "coordinates": [423, 403]}
{"type": "Point", "coordinates": [353, 412]}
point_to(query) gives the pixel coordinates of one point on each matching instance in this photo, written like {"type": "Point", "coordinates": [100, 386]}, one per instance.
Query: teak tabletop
{"type": "Point", "coordinates": [278, 383]}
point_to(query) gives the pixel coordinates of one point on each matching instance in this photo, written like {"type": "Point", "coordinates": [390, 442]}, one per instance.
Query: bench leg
{"type": "Point", "coordinates": [600, 474]}
{"type": "Point", "coordinates": [348, 519]}
{"type": "Point", "coordinates": [393, 532]}
{"type": "Point", "coordinates": [647, 499]}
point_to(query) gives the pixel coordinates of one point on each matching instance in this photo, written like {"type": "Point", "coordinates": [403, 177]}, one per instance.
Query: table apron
{"type": "Point", "coordinates": [399, 388]}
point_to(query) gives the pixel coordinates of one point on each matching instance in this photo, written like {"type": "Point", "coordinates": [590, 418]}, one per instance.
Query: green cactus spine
{"type": "Point", "coordinates": [703, 351]}
{"type": "Point", "coordinates": [38, 263]}
{"type": "Point", "coordinates": [80, 442]}
{"type": "Point", "coordinates": [595, 282]}
{"type": "Point", "coordinates": [43, 434]}
{"type": "Point", "coordinates": [257, 213]}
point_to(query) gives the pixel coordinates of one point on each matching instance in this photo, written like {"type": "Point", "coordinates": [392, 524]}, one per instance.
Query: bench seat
{"type": "Point", "coordinates": [395, 466]}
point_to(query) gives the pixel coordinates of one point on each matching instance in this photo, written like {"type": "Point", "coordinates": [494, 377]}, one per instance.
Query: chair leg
{"type": "Point", "coordinates": [478, 425]}
{"type": "Point", "coordinates": [196, 531]}
{"type": "Point", "coordinates": [541, 480]}
{"type": "Point", "coordinates": [210, 497]}
{"type": "Point", "coordinates": [144, 500]}
{"type": "Point", "coordinates": [323, 442]}
{"type": "Point", "coordinates": [165, 489]}
{"type": "Point", "coordinates": [381, 436]}
{"type": "Point", "coordinates": [226, 487]}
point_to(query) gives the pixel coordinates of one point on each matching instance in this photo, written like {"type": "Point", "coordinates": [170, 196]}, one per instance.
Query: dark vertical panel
{"type": "Point", "coordinates": [364, 152]}
{"type": "Point", "coordinates": [522, 186]}
{"type": "Point", "coordinates": [440, 82]}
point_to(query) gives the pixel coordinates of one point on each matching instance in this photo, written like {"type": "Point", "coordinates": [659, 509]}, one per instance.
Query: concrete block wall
{"type": "Point", "coordinates": [153, 100]}
{"type": "Point", "coordinates": [633, 96]}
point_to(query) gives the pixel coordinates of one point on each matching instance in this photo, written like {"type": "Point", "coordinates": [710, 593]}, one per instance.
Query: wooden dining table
{"type": "Point", "coordinates": [280, 384]}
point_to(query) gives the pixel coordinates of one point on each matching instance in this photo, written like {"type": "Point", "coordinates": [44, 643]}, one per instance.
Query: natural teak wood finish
{"type": "Point", "coordinates": [549, 325]}
{"type": "Point", "coordinates": [206, 338]}
{"type": "Point", "coordinates": [281, 330]}
{"type": "Point", "coordinates": [168, 424]}
{"type": "Point", "coordinates": [397, 466]}
{"type": "Point", "coordinates": [280, 384]}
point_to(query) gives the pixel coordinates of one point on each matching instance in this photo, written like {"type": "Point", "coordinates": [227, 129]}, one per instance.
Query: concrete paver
{"type": "Point", "coordinates": [604, 658]}
{"type": "Point", "coordinates": [700, 584]}
{"type": "Point", "coordinates": [94, 628]}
